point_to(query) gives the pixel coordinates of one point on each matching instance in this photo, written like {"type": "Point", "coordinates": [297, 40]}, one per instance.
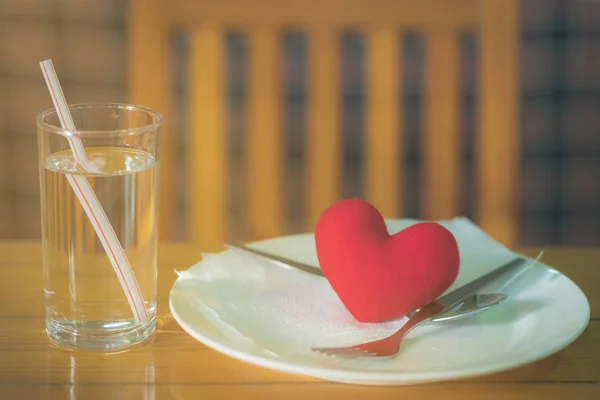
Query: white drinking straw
{"type": "Point", "coordinates": [89, 201]}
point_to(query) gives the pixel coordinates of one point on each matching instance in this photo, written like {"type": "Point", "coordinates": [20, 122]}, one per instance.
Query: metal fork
{"type": "Point", "coordinates": [390, 346]}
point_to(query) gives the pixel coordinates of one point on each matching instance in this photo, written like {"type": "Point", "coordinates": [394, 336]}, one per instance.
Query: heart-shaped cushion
{"type": "Point", "coordinates": [378, 276]}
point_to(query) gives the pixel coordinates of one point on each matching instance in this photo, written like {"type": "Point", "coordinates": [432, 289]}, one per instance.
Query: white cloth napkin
{"type": "Point", "coordinates": [288, 311]}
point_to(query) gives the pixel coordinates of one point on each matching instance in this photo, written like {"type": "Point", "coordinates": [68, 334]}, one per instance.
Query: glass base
{"type": "Point", "coordinates": [105, 336]}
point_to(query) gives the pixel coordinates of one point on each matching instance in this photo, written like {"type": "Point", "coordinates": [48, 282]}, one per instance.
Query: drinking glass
{"type": "Point", "coordinates": [88, 295]}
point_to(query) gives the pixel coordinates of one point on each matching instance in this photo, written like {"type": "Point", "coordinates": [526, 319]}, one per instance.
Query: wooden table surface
{"type": "Point", "coordinates": [175, 366]}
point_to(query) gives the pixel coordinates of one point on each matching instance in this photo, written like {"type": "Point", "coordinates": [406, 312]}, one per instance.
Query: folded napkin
{"type": "Point", "coordinates": [285, 310]}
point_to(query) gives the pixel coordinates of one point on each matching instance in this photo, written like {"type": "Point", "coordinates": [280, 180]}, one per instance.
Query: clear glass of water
{"type": "Point", "coordinates": [86, 306]}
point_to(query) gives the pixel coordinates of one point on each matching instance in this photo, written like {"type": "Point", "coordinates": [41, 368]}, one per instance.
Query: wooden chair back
{"type": "Point", "coordinates": [495, 22]}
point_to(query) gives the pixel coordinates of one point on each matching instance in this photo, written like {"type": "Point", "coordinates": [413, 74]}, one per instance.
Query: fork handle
{"type": "Point", "coordinates": [421, 316]}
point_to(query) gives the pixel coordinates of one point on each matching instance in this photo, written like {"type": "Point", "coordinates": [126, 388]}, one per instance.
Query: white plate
{"type": "Point", "coordinates": [532, 324]}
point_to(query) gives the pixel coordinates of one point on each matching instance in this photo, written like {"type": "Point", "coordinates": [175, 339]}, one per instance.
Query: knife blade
{"type": "Point", "coordinates": [285, 262]}
{"type": "Point", "coordinates": [452, 298]}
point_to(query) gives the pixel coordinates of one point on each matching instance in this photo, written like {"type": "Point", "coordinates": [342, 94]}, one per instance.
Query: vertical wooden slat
{"type": "Point", "coordinates": [207, 148]}
{"type": "Point", "coordinates": [126, 214]}
{"type": "Point", "coordinates": [79, 219]}
{"type": "Point", "coordinates": [7, 202]}
{"type": "Point", "coordinates": [137, 232]}
{"type": "Point", "coordinates": [497, 149]}
{"type": "Point", "coordinates": [323, 147]}
{"type": "Point", "coordinates": [68, 217]}
{"type": "Point", "coordinates": [53, 185]}
{"type": "Point", "coordinates": [90, 234]}
{"type": "Point", "coordinates": [149, 85]}
{"type": "Point", "coordinates": [265, 137]}
{"type": "Point", "coordinates": [441, 140]}
{"type": "Point", "coordinates": [60, 215]}
{"type": "Point", "coordinates": [383, 129]}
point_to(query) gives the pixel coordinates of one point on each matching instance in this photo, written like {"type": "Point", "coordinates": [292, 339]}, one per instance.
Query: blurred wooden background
{"type": "Point", "coordinates": [383, 26]}
{"type": "Point", "coordinates": [560, 100]}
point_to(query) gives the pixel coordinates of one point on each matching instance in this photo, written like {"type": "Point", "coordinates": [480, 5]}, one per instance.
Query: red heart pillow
{"type": "Point", "coordinates": [379, 276]}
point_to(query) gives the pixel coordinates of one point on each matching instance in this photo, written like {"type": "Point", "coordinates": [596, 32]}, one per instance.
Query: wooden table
{"type": "Point", "coordinates": [175, 366]}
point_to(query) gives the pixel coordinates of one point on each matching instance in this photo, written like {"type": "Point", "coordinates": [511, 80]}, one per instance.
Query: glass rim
{"type": "Point", "coordinates": [51, 128]}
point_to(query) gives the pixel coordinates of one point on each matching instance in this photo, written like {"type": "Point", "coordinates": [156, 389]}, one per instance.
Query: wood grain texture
{"type": "Point", "coordinates": [174, 365]}
{"type": "Point", "coordinates": [207, 140]}
{"type": "Point", "coordinates": [383, 136]}
{"type": "Point", "coordinates": [497, 150]}
{"type": "Point", "coordinates": [323, 137]}
{"type": "Point", "coordinates": [174, 357]}
{"type": "Point", "coordinates": [90, 234]}
{"type": "Point", "coordinates": [304, 391]}
{"type": "Point", "coordinates": [6, 215]}
{"type": "Point", "coordinates": [440, 145]}
{"type": "Point", "coordinates": [265, 150]}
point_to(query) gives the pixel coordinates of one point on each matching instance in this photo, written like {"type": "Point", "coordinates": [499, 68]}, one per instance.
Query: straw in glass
{"type": "Point", "coordinates": [89, 201]}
